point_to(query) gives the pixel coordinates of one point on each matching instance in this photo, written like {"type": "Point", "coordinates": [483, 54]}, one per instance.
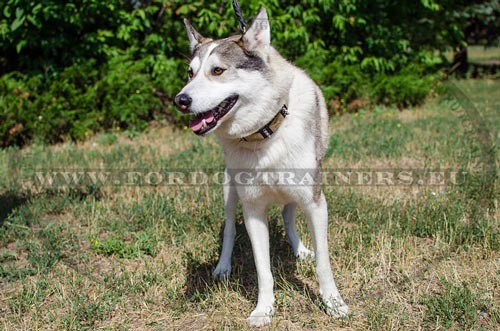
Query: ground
{"type": "Point", "coordinates": [140, 257]}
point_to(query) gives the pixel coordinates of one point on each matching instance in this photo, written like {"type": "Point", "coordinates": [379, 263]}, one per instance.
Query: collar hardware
{"type": "Point", "coordinates": [270, 128]}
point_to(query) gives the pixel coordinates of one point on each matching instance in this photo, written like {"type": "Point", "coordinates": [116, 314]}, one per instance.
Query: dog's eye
{"type": "Point", "coordinates": [217, 71]}
{"type": "Point", "coordinates": [190, 73]}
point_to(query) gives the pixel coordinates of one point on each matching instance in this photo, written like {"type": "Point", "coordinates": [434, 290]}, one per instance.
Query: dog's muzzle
{"type": "Point", "coordinates": [204, 122]}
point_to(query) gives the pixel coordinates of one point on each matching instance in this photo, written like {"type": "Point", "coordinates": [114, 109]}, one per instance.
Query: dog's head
{"type": "Point", "coordinates": [229, 81]}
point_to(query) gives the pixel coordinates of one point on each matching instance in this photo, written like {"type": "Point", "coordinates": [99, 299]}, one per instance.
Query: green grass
{"type": "Point", "coordinates": [457, 306]}
{"type": "Point", "coordinates": [104, 257]}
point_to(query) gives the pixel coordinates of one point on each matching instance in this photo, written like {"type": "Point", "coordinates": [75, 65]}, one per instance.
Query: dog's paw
{"type": "Point", "coordinates": [303, 253]}
{"type": "Point", "coordinates": [260, 317]}
{"type": "Point", "coordinates": [222, 271]}
{"type": "Point", "coordinates": [336, 307]}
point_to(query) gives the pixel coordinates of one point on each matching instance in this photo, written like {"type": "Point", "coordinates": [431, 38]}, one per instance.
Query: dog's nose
{"type": "Point", "coordinates": [183, 101]}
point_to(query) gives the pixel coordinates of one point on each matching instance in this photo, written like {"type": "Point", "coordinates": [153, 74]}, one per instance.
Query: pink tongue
{"type": "Point", "coordinates": [197, 123]}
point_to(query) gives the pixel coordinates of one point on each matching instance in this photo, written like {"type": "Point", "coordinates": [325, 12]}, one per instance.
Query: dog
{"type": "Point", "coordinates": [268, 115]}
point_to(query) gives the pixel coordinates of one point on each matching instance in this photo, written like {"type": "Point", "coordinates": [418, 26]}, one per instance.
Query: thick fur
{"type": "Point", "coordinates": [264, 81]}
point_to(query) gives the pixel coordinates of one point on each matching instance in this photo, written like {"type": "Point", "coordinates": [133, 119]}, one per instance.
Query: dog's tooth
{"type": "Point", "coordinates": [203, 124]}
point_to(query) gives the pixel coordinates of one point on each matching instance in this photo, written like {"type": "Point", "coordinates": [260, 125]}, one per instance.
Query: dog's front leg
{"type": "Point", "coordinates": [223, 268]}
{"type": "Point", "coordinates": [317, 216]}
{"type": "Point", "coordinates": [258, 231]}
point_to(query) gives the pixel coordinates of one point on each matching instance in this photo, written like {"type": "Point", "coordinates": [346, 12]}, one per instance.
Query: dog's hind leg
{"type": "Point", "coordinates": [299, 250]}
{"type": "Point", "coordinates": [258, 230]}
{"type": "Point", "coordinates": [223, 268]}
{"type": "Point", "coordinates": [317, 215]}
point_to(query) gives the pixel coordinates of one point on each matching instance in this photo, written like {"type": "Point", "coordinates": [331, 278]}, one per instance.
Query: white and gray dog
{"type": "Point", "coordinates": [267, 115]}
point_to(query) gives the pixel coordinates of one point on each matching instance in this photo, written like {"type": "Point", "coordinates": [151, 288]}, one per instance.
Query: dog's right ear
{"type": "Point", "coordinates": [194, 37]}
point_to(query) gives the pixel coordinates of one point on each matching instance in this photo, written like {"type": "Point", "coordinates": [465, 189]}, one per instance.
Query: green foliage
{"type": "Point", "coordinates": [408, 87]}
{"type": "Point", "coordinates": [123, 94]}
{"type": "Point", "coordinates": [482, 23]}
{"type": "Point", "coordinates": [52, 34]}
{"type": "Point", "coordinates": [75, 67]}
{"type": "Point", "coordinates": [346, 83]}
{"type": "Point", "coordinates": [336, 78]}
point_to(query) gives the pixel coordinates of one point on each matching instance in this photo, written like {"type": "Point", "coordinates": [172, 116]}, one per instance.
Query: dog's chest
{"type": "Point", "coordinates": [274, 174]}
{"type": "Point", "coordinates": [282, 152]}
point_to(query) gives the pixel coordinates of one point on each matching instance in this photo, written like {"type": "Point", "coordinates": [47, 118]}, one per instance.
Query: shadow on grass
{"type": "Point", "coordinates": [243, 279]}
{"type": "Point", "coordinates": [9, 201]}
{"type": "Point", "coordinates": [12, 200]}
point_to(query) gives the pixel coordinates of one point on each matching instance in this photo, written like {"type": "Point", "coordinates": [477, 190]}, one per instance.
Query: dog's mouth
{"type": "Point", "coordinates": [205, 122]}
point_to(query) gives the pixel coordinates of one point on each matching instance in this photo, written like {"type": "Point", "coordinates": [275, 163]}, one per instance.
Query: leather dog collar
{"type": "Point", "coordinates": [270, 128]}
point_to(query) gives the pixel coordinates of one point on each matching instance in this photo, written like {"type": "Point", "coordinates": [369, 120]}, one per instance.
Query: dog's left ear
{"type": "Point", "coordinates": [258, 36]}
{"type": "Point", "coordinates": [194, 37]}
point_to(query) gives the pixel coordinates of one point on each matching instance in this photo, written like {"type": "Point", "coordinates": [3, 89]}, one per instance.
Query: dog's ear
{"type": "Point", "coordinates": [258, 36]}
{"type": "Point", "coordinates": [194, 37]}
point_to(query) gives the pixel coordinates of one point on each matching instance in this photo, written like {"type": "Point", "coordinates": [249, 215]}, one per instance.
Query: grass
{"type": "Point", "coordinates": [105, 257]}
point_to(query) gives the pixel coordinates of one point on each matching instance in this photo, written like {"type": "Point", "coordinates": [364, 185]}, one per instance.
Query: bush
{"type": "Point", "coordinates": [408, 87]}
{"type": "Point", "coordinates": [72, 68]}
{"type": "Point", "coordinates": [340, 82]}
{"type": "Point", "coordinates": [125, 94]}
{"type": "Point", "coordinates": [348, 87]}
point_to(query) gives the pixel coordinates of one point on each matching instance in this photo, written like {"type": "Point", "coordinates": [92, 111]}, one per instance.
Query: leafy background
{"type": "Point", "coordinates": [71, 68]}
